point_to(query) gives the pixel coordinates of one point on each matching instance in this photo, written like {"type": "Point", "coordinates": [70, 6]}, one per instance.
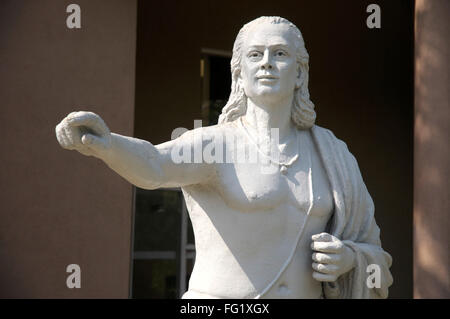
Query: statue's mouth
{"type": "Point", "coordinates": [267, 77]}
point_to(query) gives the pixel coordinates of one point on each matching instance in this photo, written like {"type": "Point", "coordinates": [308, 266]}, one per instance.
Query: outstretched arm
{"type": "Point", "coordinates": [138, 161]}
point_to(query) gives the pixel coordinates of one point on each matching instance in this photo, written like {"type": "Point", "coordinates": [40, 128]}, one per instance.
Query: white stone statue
{"type": "Point", "coordinates": [305, 229]}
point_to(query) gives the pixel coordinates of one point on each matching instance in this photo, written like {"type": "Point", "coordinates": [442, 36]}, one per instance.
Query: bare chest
{"type": "Point", "coordinates": [249, 187]}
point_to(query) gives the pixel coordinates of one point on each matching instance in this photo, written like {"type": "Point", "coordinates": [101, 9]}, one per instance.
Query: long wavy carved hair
{"type": "Point", "coordinates": [302, 113]}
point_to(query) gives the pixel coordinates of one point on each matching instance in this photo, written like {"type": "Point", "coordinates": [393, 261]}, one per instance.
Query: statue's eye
{"type": "Point", "coordinates": [254, 54]}
{"type": "Point", "coordinates": [280, 53]}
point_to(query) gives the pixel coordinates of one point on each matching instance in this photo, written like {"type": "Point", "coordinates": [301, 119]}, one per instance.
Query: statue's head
{"type": "Point", "coordinates": [291, 75]}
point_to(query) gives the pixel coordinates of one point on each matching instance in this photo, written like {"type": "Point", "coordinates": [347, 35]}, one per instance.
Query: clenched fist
{"type": "Point", "coordinates": [85, 132]}
{"type": "Point", "coordinates": [331, 257]}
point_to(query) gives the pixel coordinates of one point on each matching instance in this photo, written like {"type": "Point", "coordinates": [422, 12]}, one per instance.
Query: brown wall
{"type": "Point", "coordinates": [361, 82]}
{"type": "Point", "coordinates": [59, 207]}
{"type": "Point", "coordinates": [432, 153]}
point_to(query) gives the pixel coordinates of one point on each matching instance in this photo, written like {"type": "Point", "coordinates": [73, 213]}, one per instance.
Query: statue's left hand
{"type": "Point", "coordinates": [331, 257]}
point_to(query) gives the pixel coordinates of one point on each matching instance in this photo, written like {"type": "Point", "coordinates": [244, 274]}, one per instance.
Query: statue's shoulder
{"type": "Point", "coordinates": [326, 136]}
{"type": "Point", "coordinates": [324, 133]}
{"type": "Point", "coordinates": [232, 125]}
{"type": "Point", "coordinates": [211, 132]}
{"type": "Point", "coordinates": [222, 128]}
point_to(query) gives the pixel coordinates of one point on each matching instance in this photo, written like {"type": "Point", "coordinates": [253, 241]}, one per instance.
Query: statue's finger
{"type": "Point", "coordinates": [69, 136]}
{"type": "Point", "coordinates": [325, 268]}
{"type": "Point", "coordinates": [327, 247]}
{"type": "Point", "coordinates": [81, 118]}
{"type": "Point", "coordinates": [93, 141]}
{"type": "Point", "coordinates": [325, 258]}
{"type": "Point", "coordinates": [91, 121]}
{"type": "Point", "coordinates": [76, 135]}
{"type": "Point", "coordinates": [322, 237]}
{"type": "Point", "coordinates": [58, 132]}
{"type": "Point", "coordinates": [63, 140]}
{"type": "Point", "coordinates": [100, 127]}
{"type": "Point", "coordinates": [324, 277]}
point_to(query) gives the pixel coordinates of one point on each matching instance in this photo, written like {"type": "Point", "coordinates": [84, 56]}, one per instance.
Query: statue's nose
{"type": "Point", "coordinates": [266, 62]}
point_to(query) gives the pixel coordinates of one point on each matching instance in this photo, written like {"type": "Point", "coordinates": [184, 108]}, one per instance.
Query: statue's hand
{"type": "Point", "coordinates": [85, 132]}
{"type": "Point", "coordinates": [331, 257]}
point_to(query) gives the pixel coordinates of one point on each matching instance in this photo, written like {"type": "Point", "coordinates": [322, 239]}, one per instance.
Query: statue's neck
{"type": "Point", "coordinates": [261, 118]}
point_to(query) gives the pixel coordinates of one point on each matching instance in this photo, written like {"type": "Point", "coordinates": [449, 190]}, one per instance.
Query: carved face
{"type": "Point", "coordinates": [269, 69]}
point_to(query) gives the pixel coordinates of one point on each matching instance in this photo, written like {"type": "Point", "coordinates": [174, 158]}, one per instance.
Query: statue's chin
{"type": "Point", "coordinates": [269, 94]}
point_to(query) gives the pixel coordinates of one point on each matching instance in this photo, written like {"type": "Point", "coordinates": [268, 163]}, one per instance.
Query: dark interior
{"type": "Point", "coordinates": [361, 81]}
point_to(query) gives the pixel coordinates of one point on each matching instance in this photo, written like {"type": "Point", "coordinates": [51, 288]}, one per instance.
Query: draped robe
{"type": "Point", "coordinates": [353, 221]}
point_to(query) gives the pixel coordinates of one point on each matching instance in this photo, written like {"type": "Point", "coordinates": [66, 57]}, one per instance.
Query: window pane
{"type": "Point", "coordinates": [156, 279]}
{"type": "Point", "coordinates": [157, 220]}
{"type": "Point", "coordinates": [219, 86]}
